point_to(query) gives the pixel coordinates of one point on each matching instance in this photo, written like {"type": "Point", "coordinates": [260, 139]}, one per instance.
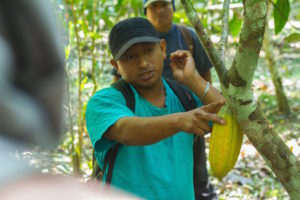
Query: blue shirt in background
{"type": "Point", "coordinates": [176, 42]}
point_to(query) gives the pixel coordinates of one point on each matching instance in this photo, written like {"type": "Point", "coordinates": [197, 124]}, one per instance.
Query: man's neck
{"type": "Point", "coordinates": [164, 29]}
{"type": "Point", "coordinates": [155, 95]}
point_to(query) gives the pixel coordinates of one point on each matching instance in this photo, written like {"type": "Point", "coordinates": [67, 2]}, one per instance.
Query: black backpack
{"type": "Point", "coordinates": [187, 37]}
{"type": "Point", "coordinates": [203, 189]}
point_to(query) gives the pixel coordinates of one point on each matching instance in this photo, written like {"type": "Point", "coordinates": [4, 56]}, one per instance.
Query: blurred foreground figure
{"type": "Point", "coordinates": [31, 94]}
{"type": "Point", "coordinates": [31, 81]}
{"type": "Point", "coordinates": [58, 188]}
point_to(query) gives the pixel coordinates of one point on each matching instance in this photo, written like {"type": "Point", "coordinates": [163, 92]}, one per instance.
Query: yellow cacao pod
{"type": "Point", "coordinates": [225, 143]}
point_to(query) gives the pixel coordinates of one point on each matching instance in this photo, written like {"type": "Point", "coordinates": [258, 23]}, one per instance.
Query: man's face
{"type": "Point", "coordinates": [142, 64]}
{"type": "Point", "coordinates": [160, 14]}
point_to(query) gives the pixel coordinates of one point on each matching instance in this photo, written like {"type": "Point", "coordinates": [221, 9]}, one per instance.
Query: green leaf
{"type": "Point", "coordinates": [67, 52]}
{"type": "Point", "coordinates": [95, 35]}
{"type": "Point", "coordinates": [281, 14]}
{"type": "Point", "coordinates": [295, 37]}
{"type": "Point", "coordinates": [235, 25]}
{"type": "Point", "coordinates": [118, 7]}
{"type": "Point", "coordinates": [84, 81]}
{"type": "Point", "coordinates": [84, 27]}
{"type": "Point", "coordinates": [71, 29]}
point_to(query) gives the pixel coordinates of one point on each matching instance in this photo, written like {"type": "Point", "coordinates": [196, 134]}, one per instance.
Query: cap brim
{"type": "Point", "coordinates": [149, 2]}
{"type": "Point", "coordinates": [134, 41]}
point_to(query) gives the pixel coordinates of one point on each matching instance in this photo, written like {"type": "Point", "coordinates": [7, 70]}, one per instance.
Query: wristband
{"type": "Point", "coordinates": [207, 87]}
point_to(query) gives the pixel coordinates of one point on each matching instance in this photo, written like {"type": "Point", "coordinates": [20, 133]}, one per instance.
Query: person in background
{"type": "Point", "coordinates": [160, 14]}
{"type": "Point", "coordinates": [178, 37]}
{"type": "Point", "coordinates": [155, 153]}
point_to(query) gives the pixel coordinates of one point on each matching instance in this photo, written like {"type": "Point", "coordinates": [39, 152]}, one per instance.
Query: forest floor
{"type": "Point", "coordinates": [251, 178]}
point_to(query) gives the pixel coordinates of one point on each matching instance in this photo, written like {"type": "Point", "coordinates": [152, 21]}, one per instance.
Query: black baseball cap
{"type": "Point", "coordinates": [129, 32]}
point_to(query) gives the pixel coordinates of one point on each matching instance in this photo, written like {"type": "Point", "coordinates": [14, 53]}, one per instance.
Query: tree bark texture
{"type": "Point", "coordinates": [237, 89]}
{"type": "Point", "coordinates": [206, 42]}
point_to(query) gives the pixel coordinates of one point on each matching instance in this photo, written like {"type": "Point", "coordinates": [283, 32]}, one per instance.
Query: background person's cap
{"type": "Point", "coordinates": [129, 32]}
{"type": "Point", "coordinates": [147, 2]}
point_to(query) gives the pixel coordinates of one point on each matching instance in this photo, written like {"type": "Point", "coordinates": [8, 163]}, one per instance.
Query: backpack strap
{"type": "Point", "coordinates": [184, 95]}
{"type": "Point", "coordinates": [110, 157]}
{"type": "Point", "coordinates": [109, 161]}
{"type": "Point", "coordinates": [187, 37]}
{"type": "Point", "coordinates": [127, 92]}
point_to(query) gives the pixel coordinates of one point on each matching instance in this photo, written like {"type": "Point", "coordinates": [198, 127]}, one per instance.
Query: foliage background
{"type": "Point", "coordinates": [86, 26]}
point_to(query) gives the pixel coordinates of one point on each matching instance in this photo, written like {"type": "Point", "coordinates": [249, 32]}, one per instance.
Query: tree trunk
{"type": "Point", "coordinates": [76, 155]}
{"type": "Point", "coordinates": [237, 89]}
{"type": "Point", "coordinates": [282, 102]}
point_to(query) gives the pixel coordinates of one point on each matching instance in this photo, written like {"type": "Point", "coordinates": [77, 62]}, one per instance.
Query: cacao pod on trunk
{"type": "Point", "coordinates": [225, 143]}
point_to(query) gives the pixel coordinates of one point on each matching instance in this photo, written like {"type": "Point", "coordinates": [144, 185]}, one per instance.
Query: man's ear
{"type": "Point", "coordinates": [114, 64]}
{"type": "Point", "coordinates": [163, 46]}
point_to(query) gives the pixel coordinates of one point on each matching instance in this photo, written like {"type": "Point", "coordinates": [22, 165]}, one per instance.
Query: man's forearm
{"type": "Point", "coordinates": [207, 76]}
{"type": "Point", "coordinates": [143, 130]}
{"type": "Point", "coordinates": [198, 85]}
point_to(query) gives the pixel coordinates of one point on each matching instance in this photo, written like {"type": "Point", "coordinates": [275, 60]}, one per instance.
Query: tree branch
{"type": "Point", "coordinates": [275, 152]}
{"type": "Point", "coordinates": [251, 38]}
{"type": "Point", "coordinates": [224, 35]}
{"type": "Point", "coordinates": [206, 42]}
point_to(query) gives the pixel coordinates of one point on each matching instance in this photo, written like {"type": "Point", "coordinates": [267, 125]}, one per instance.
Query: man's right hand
{"type": "Point", "coordinates": [196, 121]}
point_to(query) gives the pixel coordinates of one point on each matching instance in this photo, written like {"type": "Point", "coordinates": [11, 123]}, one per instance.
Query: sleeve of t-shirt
{"type": "Point", "coordinates": [104, 109]}
{"type": "Point", "coordinates": [202, 61]}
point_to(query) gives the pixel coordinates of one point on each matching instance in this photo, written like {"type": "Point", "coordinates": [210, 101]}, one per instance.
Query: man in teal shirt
{"type": "Point", "coordinates": [155, 158]}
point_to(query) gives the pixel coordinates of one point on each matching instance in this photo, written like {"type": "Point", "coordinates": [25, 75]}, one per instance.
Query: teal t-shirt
{"type": "Point", "coordinates": [163, 170]}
